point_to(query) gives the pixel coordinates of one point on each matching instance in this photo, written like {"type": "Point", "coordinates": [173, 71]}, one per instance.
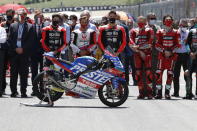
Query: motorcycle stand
{"type": "Point", "coordinates": [49, 104]}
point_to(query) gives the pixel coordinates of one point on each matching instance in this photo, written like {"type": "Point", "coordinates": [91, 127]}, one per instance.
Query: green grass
{"type": "Point", "coordinates": [72, 3]}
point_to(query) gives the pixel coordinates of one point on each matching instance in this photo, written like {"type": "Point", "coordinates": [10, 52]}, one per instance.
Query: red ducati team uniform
{"type": "Point", "coordinates": [144, 39]}
{"type": "Point", "coordinates": [166, 41]}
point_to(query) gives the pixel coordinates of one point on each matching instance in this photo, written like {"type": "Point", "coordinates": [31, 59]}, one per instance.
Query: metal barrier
{"type": "Point", "coordinates": [177, 8]}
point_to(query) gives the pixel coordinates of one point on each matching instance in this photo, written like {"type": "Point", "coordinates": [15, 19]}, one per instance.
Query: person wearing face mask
{"type": "Point", "coordinates": [151, 19]}
{"type": "Point", "coordinates": [37, 55]}
{"type": "Point", "coordinates": [83, 39]}
{"type": "Point", "coordinates": [9, 19]}
{"type": "Point", "coordinates": [47, 21]}
{"type": "Point", "coordinates": [152, 22]}
{"type": "Point", "coordinates": [192, 23]}
{"type": "Point", "coordinates": [20, 42]}
{"type": "Point", "coordinates": [112, 35]}
{"type": "Point", "coordinates": [54, 37]}
{"type": "Point", "coordinates": [183, 55]}
{"type": "Point", "coordinates": [141, 40]}
{"type": "Point", "coordinates": [64, 18]}
{"type": "Point", "coordinates": [4, 47]}
{"type": "Point", "coordinates": [167, 43]}
{"type": "Point", "coordinates": [72, 22]}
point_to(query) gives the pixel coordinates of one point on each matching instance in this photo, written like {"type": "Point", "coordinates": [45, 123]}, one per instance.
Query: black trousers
{"type": "Point", "coordinates": [36, 65]}
{"type": "Point", "coordinates": [19, 65]}
{"type": "Point", "coordinates": [129, 63]}
{"type": "Point", "coordinates": [154, 68]}
{"type": "Point", "coordinates": [3, 64]}
{"type": "Point", "coordinates": [6, 62]}
{"type": "Point", "coordinates": [192, 69]}
{"type": "Point", "coordinates": [182, 61]}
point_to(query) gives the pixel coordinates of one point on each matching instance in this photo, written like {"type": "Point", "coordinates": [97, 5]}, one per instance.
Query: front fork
{"type": "Point", "coordinates": [114, 88]}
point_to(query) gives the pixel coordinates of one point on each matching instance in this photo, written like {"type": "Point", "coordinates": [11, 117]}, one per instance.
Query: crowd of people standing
{"type": "Point", "coordinates": [146, 50]}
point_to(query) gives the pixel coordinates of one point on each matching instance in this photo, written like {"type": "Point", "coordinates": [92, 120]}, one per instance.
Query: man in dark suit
{"type": "Point", "coordinates": [37, 56]}
{"type": "Point", "coordinates": [9, 15]}
{"type": "Point", "coordinates": [20, 43]}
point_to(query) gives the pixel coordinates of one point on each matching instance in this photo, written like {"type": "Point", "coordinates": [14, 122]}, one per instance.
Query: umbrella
{"type": "Point", "coordinates": [12, 6]}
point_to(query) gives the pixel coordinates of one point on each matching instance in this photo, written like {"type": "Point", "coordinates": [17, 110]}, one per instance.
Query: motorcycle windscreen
{"type": "Point", "coordinates": [109, 54]}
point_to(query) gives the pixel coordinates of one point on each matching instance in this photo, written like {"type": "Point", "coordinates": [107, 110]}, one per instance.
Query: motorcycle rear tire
{"type": "Point", "coordinates": [40, 93]}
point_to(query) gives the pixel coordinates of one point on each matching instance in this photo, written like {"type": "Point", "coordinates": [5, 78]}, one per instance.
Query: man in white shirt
{"type": "Point", "coordinates": [3, 38]}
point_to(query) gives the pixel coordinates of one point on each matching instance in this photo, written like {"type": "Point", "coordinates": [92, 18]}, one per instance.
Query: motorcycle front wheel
{"type": "Point", "coordinates": [41, 90]}
{"type": "Point", "coordinates": [113, 97]}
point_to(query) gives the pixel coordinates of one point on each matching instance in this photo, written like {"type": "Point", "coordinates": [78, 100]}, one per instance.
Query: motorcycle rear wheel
{"type": "Point", "coordinates": [40, 89]}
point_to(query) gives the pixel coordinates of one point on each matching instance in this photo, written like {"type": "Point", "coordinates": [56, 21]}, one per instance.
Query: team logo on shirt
{"type": "Point", "coordinates": [84, 36]}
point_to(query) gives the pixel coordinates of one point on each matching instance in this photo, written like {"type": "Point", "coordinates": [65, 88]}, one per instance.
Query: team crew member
{"type": "Point", "coordinates": [167, 43]}
{"type": "Point", "coordinates": [141, 40]}
{"type": "Point", "coordinates": [90, 25]}
{"type": "Point", "coordinates": [112, 35]}
{"type": "Point", "coordinates": [54, 36]}
{"type": "Point", "coordinates": [183, 56]}
{"type": "Point", "coordinates": [192, 42]}
{"type": "Point", "coordinates": [83, 39]}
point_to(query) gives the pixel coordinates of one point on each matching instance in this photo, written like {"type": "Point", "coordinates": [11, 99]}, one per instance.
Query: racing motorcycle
{"type": "Point", "coordinates": [87, 76]}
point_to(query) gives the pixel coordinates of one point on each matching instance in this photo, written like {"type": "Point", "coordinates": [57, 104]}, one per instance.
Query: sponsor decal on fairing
{"type": "Point", "coordinates": [97, 77]}
{"type": "Point", "coordinates": [85, 90]}
{"type": "Point", "coordinates": [78, 68]}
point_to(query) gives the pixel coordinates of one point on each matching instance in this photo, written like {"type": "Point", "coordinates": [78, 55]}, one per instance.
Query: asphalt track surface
{"type": "Point", "coordinates": [71, 114]}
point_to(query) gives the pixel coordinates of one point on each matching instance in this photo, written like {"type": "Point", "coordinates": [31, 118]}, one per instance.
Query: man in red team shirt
{"type": "Point", "coordinates": [167, 42]}
{"type": "Point", "coordinates": [141, 40]}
